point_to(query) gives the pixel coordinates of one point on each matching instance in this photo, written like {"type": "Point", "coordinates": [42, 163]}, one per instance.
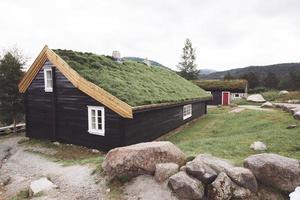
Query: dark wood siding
{"type": "Point", "coordinates": [149, 125]}
{"type": "Point", "coordinates": [71, 114]}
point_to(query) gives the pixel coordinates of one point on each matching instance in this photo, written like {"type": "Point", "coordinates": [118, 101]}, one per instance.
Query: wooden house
{"type": "Point", "coordinates": [224, 91]}
{"type": "Point", "coordinates": [104, 102]}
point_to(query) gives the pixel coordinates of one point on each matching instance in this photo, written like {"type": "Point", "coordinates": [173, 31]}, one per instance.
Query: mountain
{"type": "Point", "coordinates": [281, 71]}
{"type": "Point", "coordinates": [152, 62]}
{"type": "Point", "coordinates": [206, 71]}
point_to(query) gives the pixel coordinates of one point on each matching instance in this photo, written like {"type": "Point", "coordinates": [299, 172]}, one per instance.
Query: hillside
{"type": "Point", "coordinates": [281, 71]}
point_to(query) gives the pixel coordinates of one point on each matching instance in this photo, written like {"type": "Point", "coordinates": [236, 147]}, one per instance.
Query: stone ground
{"type": "Point", "coordinates": [74, 182]}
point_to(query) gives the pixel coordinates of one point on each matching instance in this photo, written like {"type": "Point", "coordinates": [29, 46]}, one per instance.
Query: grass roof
{"type": "Point", "coordinates": [132, 82]}
{"type": "Point", "coordinates": [221, 84]}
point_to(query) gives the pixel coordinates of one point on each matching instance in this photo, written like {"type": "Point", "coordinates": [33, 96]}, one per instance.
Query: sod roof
{"type": "Point", "coordinates": [221, 84]}
{"type": "Point", "coordinates": [132, 82]}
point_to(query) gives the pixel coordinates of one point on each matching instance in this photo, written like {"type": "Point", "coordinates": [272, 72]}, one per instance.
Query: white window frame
{"type": "Point", "coordinates": [96, 131]}
{"type": "Point", "coordinates": [47, 88]}
{"type": "Point", "coordinates": [187, 111]}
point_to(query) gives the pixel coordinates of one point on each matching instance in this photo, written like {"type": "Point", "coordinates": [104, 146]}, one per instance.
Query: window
{"type": "Point", "coordinates": [48, 80]}
{"type": "Point", "coordinates": [96, 120]}
{"type": "Point", "coordinates": [187, 111]}
{"type": "Point", "coordinates": [236, 95]}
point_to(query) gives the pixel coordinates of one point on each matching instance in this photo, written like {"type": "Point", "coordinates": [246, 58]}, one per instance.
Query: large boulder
{"type": "Point", "coordinates": [186, 187]}
{"type": "Point", "coordinates": [283, 92]}
{"type": "Point", "coordinates": [274, 170]}
{"type": "Point", "coordinates": [201, 171]}
{"type": "Point", "coordinates": [164, 170]}
{"type": "Point", "coordinates": [256, 98]}
{"type": "Point", "coordinates": [243, 177]}
{"type": "Point", "coordinates": [295, 110]}
{"type": "Point", "coordinates": [297, 115]}
{"type": "Point", "coordinates": [217, 164]}
{"type": "Point", "coordinates": [223, 188]}
{"type": "Point", "coordinates": [140, 159]}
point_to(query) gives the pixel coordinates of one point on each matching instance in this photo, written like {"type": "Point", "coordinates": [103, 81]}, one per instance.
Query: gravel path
{"type": "Point", "coordinates": [74, 182]}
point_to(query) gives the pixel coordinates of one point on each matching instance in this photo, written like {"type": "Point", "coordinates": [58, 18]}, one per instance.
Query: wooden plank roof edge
{"type": "Point", "coordinates": [94, 91]}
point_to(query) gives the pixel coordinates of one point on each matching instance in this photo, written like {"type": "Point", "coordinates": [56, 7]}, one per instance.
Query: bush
{"type": "Point", "coordinates": [258, 90]}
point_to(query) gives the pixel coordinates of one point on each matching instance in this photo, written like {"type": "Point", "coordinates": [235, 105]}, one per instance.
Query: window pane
{"type": "Point", "coordinates": [49, 75]}
{"type": "Point", "coordinates": [99, 113]}
{"type": "Point", "coordinates": [49, 83]}
{"type": "Point", "coordinates": [93, 125]}
{"type": "Point", "coordinates": [93, 112]}
{"type": "Point", "coordinates": [99, 126]}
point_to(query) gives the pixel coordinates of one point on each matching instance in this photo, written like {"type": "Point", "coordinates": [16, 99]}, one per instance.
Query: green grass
{"type": "Point", "coordinates": [237, 84]}
{"type": "Point", "coordinates": [229, 135]}
{"type": "Point", "coordinates": [134, 83]}
{"type": "Point", "coordinates": [273, 95]}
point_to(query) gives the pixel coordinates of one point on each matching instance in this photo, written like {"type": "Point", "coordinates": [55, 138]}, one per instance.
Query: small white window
{"type": "Point", "coordinates": [96, 120]}
{"type": "Point", "coordinates": [236, 95]}
{"type": "Point", "coordinates": [187, 111]}
{"type": "Point", "coordinates": [208, 92]}
{"type": "Point", "coordinates": [48, 80]}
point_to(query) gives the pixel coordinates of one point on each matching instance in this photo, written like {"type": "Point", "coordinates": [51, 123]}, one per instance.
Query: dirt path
{"type": "Point", "coordinates": [74, 182]}
{"type": "Point", "coordinates": [252, 107]}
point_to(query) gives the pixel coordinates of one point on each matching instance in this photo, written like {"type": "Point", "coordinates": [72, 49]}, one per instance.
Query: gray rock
{"type": "Point", "coordinates": [223, 188]}
{"type": "Point", "coordinates": [243, 177]}
{"type": "Point", "coordinates": [267, 193]}
{"type": "Point", "coordinates": [133, 160]}
{"type": "Point", "coordinates": [164, 170]}
{"type": "Point", "coordinates": [274, 170]}
{"type": "Point", "coordinates": [217, 164]}
{"type": "Point", "coordinates": [267, 105]}
{"type": "Point", "coordinates": [297, 115]}
{"type": "Point", "coordinates": [294, 110]}
{"type": "Point", "coordinates": [201, 171]}
{"type": "Point", "coordinates": [186, 187]}
{"type": "Point", "coordinates": [291, 126]}
{"type": "Point", "coordinates": [258, 146]}
{"type": "Point", "coordinates": [40, 185]}
{"type": "Point", "coordinates": [183, 168]}
{"type": "Point", "coordinates": [283, 92]}
{"type": "Point", "coordinates": [256, 98]}
{"type": "Point", "coordinates": [56, 143]}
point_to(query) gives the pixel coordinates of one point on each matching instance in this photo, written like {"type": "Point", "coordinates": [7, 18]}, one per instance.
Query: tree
{"type": "Point", "coordinates": [294, 80]}
{"type": "Point", "coordinates": [253, 80]}
{"type": "Point", "coordinates": [228, 76]}
{"type": "Point", "coordinates": [271, 80]}
{"type": "Point", "coordinates": [11, 101]}
{"type": "Point", "coordinates": [187, 67]}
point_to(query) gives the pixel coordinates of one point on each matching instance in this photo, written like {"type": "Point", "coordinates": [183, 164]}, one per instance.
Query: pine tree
{"type": "Point", "coordinates": [187, 67]}
{"type": "Point", "coordinates": [253, 80]}
{"type": "Point", "coordinates": [11, 101]}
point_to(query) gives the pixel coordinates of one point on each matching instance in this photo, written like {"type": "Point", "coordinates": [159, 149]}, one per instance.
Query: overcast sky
{"type": "Point", "coordinates": [226, 34]}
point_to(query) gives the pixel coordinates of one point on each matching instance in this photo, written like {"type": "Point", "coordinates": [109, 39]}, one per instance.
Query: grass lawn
{"type": "Point", "coordinates": [273, 95]}
{"type": "Point", "coordinates": [229, 135]}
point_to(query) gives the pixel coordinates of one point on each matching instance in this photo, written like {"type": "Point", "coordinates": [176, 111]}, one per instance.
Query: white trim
{"type": "Point", "coordinates": [187, 111]}
{"type": "Point", "coordinates": [96, 130]}
{"type": "Point", "coordinates": [47, 88]}
{"type": "Point", "coordinates": [228, 97]}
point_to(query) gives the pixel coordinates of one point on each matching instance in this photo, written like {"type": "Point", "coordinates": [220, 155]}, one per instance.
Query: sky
{"type": "Point", "coordinates": [225, 33]}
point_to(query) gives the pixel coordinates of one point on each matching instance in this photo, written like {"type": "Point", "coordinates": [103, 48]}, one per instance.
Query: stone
{"type": "Point", "coordinates": [56, 143]}
{"type": "Point", "coordinates": [138, 159]}
{"type": "Point", "coordinates": [183, 168]}
{"type": "Point", "coordinates": [274, 170]}
{"type": "Point", "coordinates": [41, 185]}
{"type": "Point", "coordinates": [291, 126]}
{"type": "Point", "coordinates": [186, 187]}
{"type": "Point", "coordinates": [283, 92]}
{"type": "Point", "coordinates": [297, 101]}
{"type": "Point", "coordinates": [267, 193]}
{"type": "Point", "coordinates": [267, 105]}
{"type": "Point", "coordinates": [243, 177]}
{"type": "Point", "coordinates": [201, 171]}
{"type": "Point", "coordinates": [256, 98]}
{"type": "Point", "coordinates": [258, 146]}
{"type": "Point", "coordinates": [295, 195]}
{"type": "Point", "coordinates": [223, 188]}
{"type": "Point", "coordinates": [294, 110]}
{"type": "Point", "coordinates": [95, 151]}
{"type": "Point", "coordinates": [297, 115]}
{"type": "Point", "coordinates": [217, 164]}
{"type": "Point", "coordinates": [164, 170]}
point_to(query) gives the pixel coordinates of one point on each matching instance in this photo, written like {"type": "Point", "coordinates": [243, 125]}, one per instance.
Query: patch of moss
{"type": "Point", "coordinates": [221, 84]}
{"type": "Point", "coordinates": [134, 83]}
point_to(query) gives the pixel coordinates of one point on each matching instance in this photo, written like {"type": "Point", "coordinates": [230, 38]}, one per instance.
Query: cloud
{"type": "Point", "coordinates": [226, 34]}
